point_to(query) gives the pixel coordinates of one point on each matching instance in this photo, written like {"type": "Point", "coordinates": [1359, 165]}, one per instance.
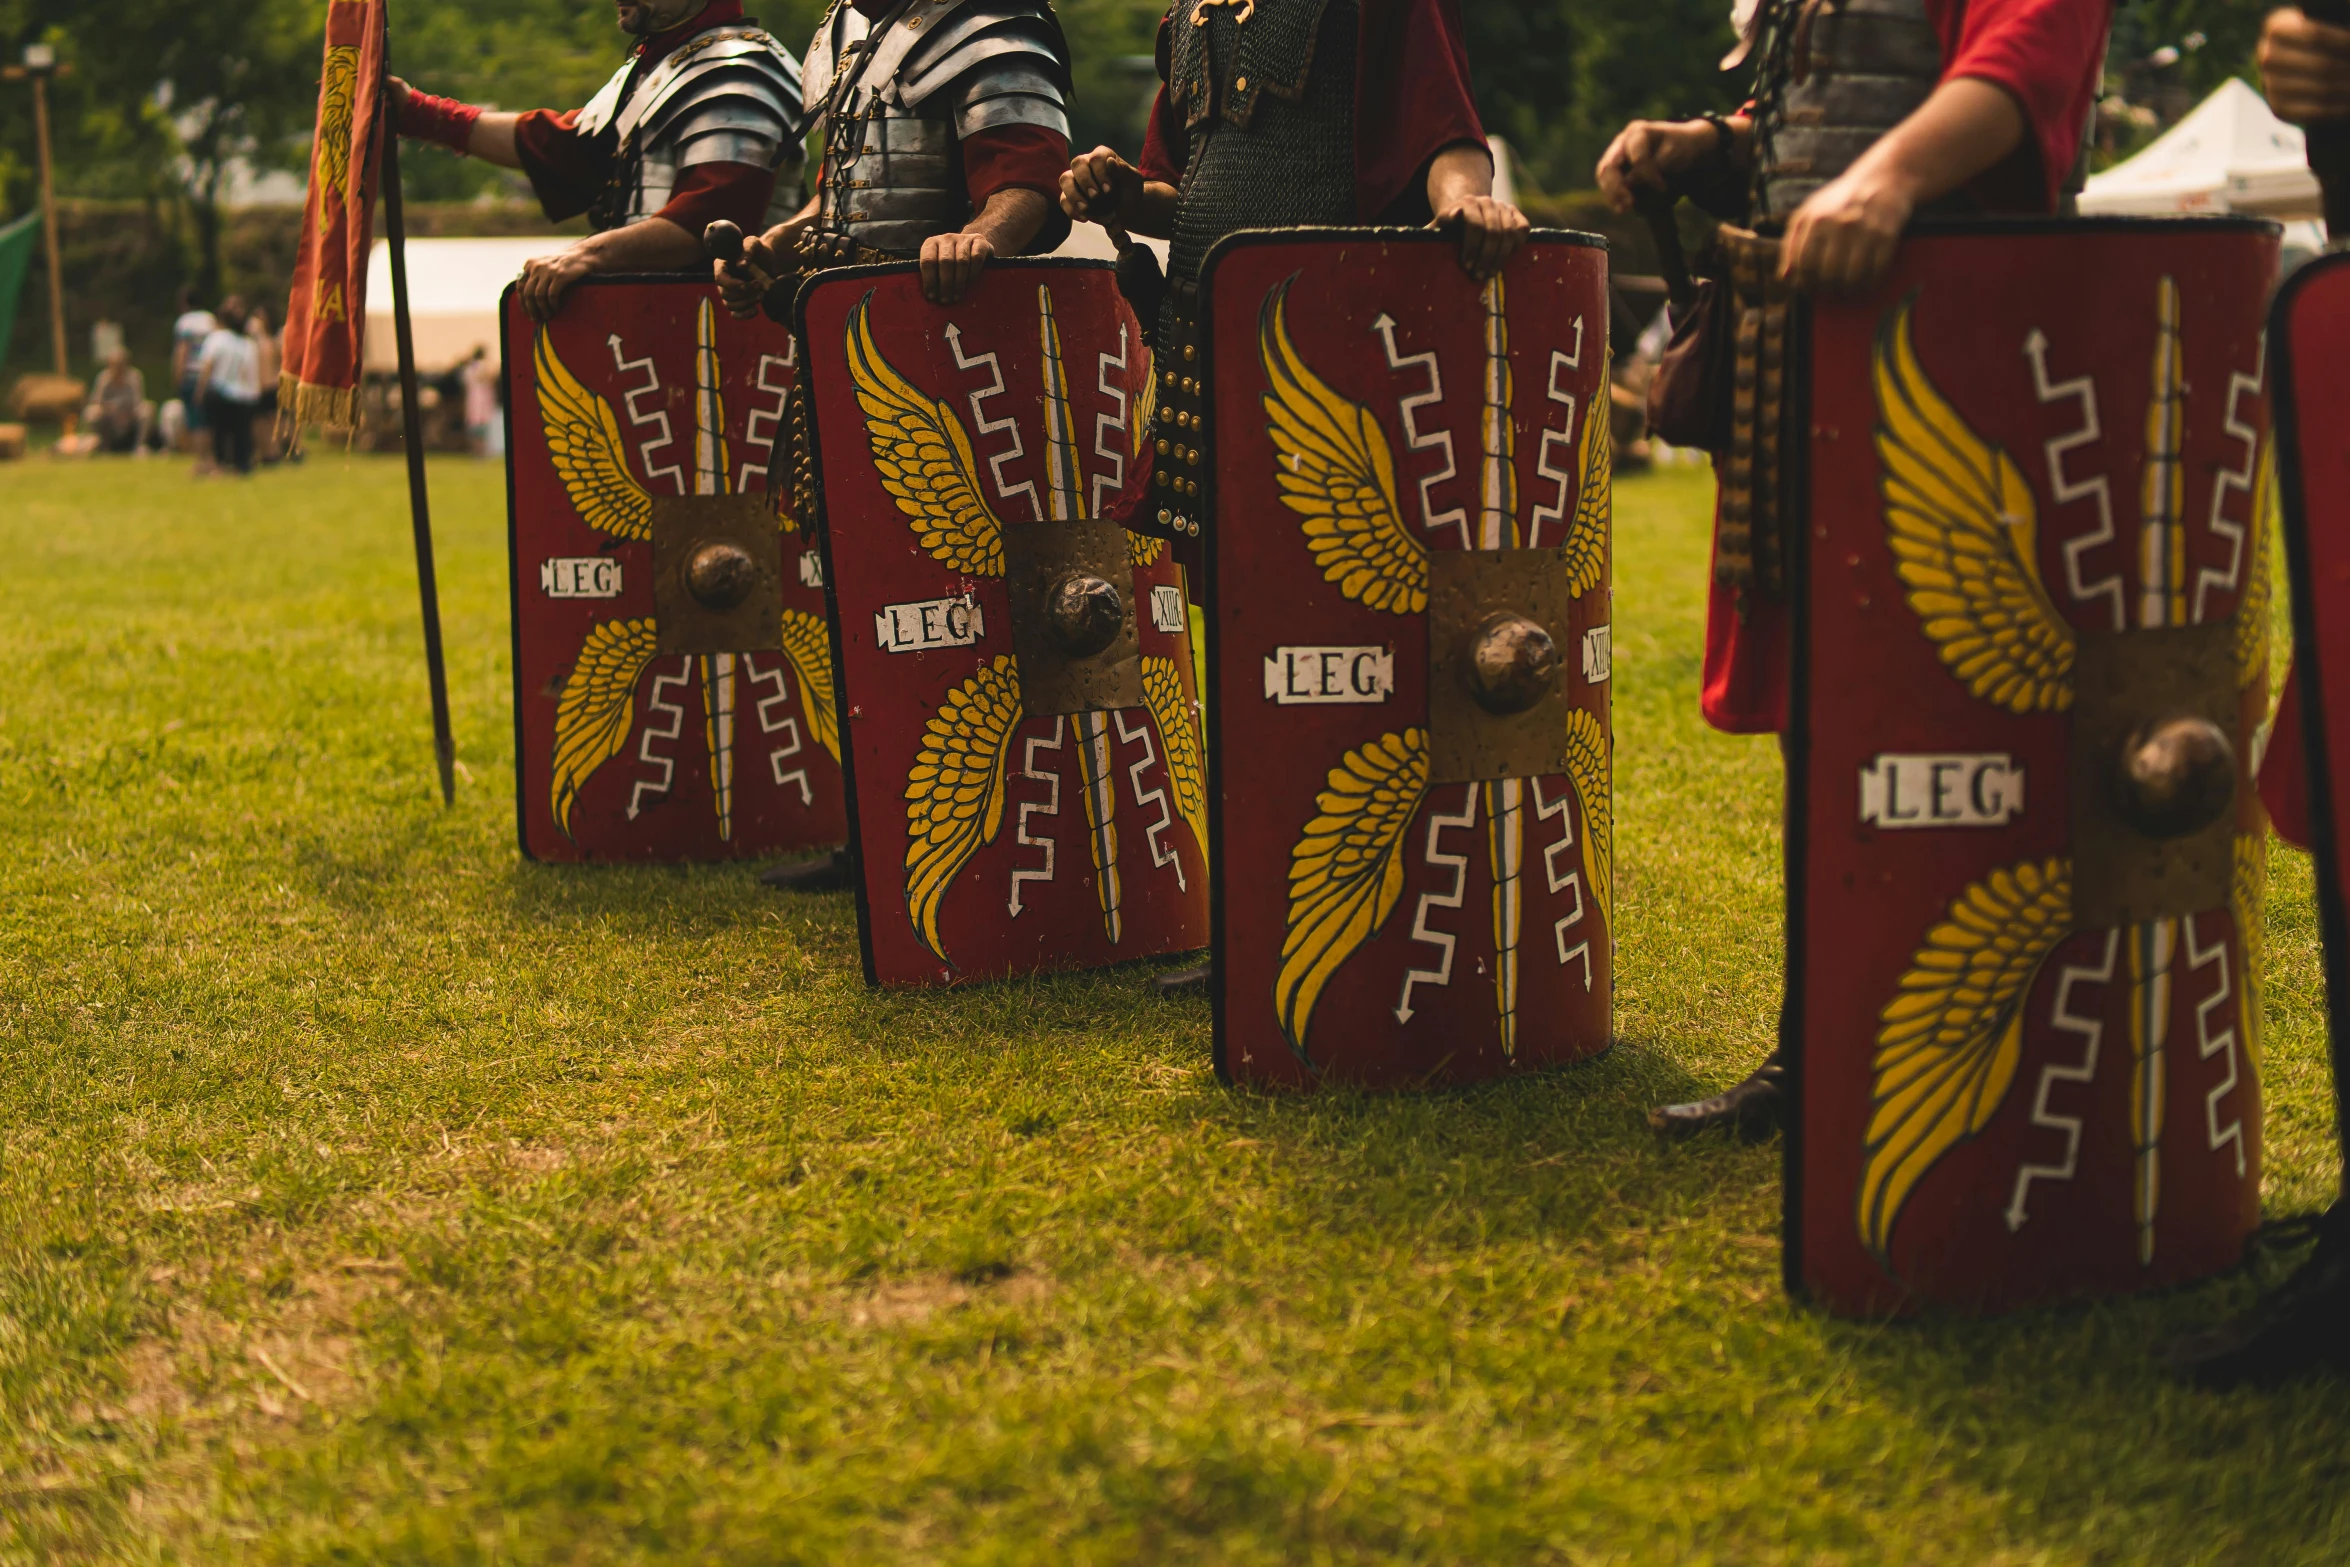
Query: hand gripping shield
{"type": "Point", "coordinates": [1411, 743]}
{"type": "Point", "coordinates": [672, 678]}
{"type": "Point", "coordinates": [2026, 859]}
{"type": "Point", "coordinates": [1023, 740]}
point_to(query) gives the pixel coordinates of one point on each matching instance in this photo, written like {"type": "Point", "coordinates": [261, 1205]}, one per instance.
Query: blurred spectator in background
{"type": "Point", "coordinates": [228, 387]}
{"type": "Point", "coordinates": [485, 423]}
{"type": "Point", "coordinates": [187, 340]}
{"type": "Point", "coordinates": [119, 414]}
{"type": "Point", "coordinates": [269, 359]}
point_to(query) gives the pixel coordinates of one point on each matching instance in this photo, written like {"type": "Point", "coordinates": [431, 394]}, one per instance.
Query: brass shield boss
{"type": "Point", "coordinates": [1072, 590]}
{"type": "Point", "coordinates": [717, 574]}
{"type": "Point", "coordinates": [2154, 773]}
{"type": "Point", "coordinates": [1498, 628]}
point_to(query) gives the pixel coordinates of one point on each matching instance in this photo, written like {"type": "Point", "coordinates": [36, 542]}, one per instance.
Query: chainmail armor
{"type": "Point", "coordinates": [1268, 108]}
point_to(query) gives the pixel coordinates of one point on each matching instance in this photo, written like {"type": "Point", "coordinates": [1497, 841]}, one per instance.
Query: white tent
{"type": "Point", "coordinates": [453, 289]}
{"type": "Point", "coordinates": [2230, 155]}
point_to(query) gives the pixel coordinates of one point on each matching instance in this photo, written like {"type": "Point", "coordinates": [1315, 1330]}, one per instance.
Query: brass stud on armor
{"type": "Point", "coordinates": [1190, 352]}
{"type": "Point", "coordinates": [1165, 478]}
{"type": "Point", "coordinates": [1162, 446]}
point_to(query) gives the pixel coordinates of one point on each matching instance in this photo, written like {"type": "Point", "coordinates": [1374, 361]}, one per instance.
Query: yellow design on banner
{"type": "Point", "coordinates": [1162, 692]}
{"type": "Point", "coordinates": [1346, 871]}
{"type": "Point", "coordinates": [923, 457]}
{"type": "Point", "coordinates": [1949, 1041]}
{"type": "Point", "coordinates": [583, 443]}
{"type": "Point", "coordinates": [809, 647]}
{"type": "Point", "coordinates": [1964, 531]}
{"type": "Point", "coordinates": [327, 302]}
{"type": "Point", "coordinates": [592, 716]}
{"type": "Point", "coordinates": [1588, 769]}
{"type": "Point", "coordinates": [955, 793]}
{"type": "Point", "coordinates": [338, 102]}
{"type": "Point", "coordinates": [1335, 470]}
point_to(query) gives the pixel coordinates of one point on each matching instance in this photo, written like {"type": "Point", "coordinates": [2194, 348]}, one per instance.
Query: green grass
{"type": "Point", "coordinates": [367, 1195]}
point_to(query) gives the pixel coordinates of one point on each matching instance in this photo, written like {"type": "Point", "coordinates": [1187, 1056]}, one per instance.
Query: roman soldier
{"type": "Point", "coordinates": [2296, 1327]}
{"type": "Point", "coordinates": [701, 123]}
{"type": "Point", "coordinates": [1865, 113]}
{"type": "Point", "coordinates": [945, 127]}
{"type": "Point", "coordinates": [1275, 114]}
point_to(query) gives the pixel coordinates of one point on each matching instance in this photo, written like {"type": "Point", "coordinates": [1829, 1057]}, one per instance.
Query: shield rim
{"type": "Point", "coordinates": [1245, 239]}
{"type": "Point", "coordinates": [822, 528]}
{"type": "Point", "coordinates": [2333, 912]}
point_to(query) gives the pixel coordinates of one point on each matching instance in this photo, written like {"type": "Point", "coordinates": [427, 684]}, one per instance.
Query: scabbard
{"type": "Point", "coordinates": [1757, 496]}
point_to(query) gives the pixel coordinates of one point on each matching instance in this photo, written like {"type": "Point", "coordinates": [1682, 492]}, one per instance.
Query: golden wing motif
{"type": "Point", "coordinates": [598, 704]}
{"type": "Point", "coordinates": [1949, 1040]}
{"type": "Point", "coordinates": [1346, 872]}
{"type": "Point", "coordinates": [1162, 692]}
{"type": "Point", "coordinates": [1588, 769]}
{"type": "Point", "coordinates": [1586, 546]}
{"type": "Point", "coordinates": [1336, 472]}
{"type": "Point", "coordinates": [338, 101]}
{"type": "Point", "coordinates": [2254, 609]}
{"type": "Point", "coordinates": [1145, 411]}
{"type": "Point", "coordinates": [955, 794]}
{"type": "Point", "coordinates": [809, 648]}
{"type": "Point", "coordinates": [924, 459]}
{"type": "Point", "coordinates": [1965, 535]}
{"type": "Point", "coordinates": [583, 442]}
{"type": "Point", "coordinates": [1143, 550]}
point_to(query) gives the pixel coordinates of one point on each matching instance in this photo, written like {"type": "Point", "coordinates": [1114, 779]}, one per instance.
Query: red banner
{"type": "Point", "coordinates": [327, 311]}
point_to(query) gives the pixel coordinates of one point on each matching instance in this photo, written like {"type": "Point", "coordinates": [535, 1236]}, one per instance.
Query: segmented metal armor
{"type": "Point", "coordinates": [1268, 116]}
{"type": "Point", "coordinates": [730, 95]}
{"type": "Point", "coordinates": [1836, 75]}
{"type": "Point", "coordinates": [898, 93]}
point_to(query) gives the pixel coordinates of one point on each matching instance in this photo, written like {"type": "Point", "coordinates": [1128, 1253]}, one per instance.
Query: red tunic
{"type": "Point", "coordinates": [1412, 101]}
{"type": "Point", "coordinates": [2048, 55]}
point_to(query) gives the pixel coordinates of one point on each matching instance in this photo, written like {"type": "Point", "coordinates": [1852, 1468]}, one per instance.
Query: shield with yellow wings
{"type": "Point", "coordinates": [2026, 858]}
{"type": "Point", "coordinates": [1018, 698]}
{"type": "Point", "coordinates": [672, 674]}
{"type": "Point", "coordinates": [1411, 750]}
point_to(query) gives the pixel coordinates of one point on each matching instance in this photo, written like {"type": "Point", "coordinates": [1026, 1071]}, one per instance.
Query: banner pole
{"type": "Point", "coordinates": [444, 743]}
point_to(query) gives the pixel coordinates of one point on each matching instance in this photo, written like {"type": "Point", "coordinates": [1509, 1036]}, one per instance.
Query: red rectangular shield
{"type": "Point", "coordinates": [1410, 888]}
{"type": "Point", "coordinates": [1003, 826]}
{"type": "Point", "coordinates": [2310, 329]}
{"type": "Point", "coordinates": [2021, 1017]}
{"type": "Point", "coordinates": [640, 392]}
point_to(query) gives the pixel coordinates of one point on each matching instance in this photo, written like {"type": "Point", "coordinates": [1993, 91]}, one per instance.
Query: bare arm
{"type": "Point", "coordinates": [951, 263]}
{"type": "Point", "coordinates": [654, 245]}
{"type": "Point", "coordinates": [493, 141]}
{"type": "Point", "coordinates": [1844, 236]}
{"type": "Point", "coordinates": [1460, 193]}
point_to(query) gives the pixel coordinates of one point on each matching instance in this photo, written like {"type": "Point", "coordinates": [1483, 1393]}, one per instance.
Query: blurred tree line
{"type": "Point", "coordinates": [167, 100]}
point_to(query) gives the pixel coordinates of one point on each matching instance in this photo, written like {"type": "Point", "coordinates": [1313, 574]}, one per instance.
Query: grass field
{"type": "Point", "coordinates": [367, 1195]}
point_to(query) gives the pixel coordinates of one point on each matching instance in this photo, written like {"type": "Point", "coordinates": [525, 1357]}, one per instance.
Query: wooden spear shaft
{"type": "Point", "coordinates": [49, 224]}
{"type": "Point", "coordinates": [444, 743]}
